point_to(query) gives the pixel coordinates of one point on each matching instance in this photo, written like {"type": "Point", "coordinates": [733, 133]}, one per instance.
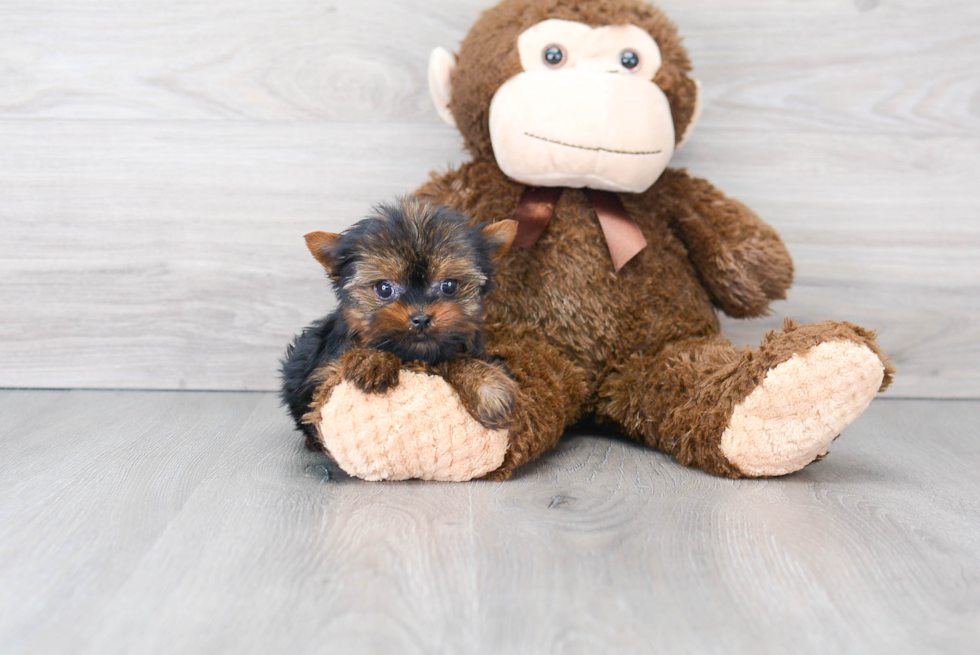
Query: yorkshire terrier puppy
{"type": "Point", "coordinates": [410, 280]}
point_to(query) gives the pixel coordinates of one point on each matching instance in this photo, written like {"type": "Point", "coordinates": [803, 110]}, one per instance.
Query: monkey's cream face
{"type": "Point", "coordinates": [585, 111]}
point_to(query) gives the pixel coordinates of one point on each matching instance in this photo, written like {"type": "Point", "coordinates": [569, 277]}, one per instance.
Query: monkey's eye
{"type": "Point", "coordinates": [629, 59]}
{"type": "Point", "coordinates": [554, 55]}
{"type": "Point", "coordinates": [384, 289]}
{"type": "Point", "coordinates": [449, 287]}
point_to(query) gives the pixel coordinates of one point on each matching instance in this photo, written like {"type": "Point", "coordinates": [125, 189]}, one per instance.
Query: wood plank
{"type": "Point", "coordinates": [90, 482]}
{"type": "Point", "coordinates": [858, 67]}
{"type": "Point", "coordinates": [170, 255]}
{"type": "Point", "coordinates": [128, 525]}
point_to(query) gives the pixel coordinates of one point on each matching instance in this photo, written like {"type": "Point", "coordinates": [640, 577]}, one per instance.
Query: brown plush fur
{"type": "Point", "coordinates": [640, 348]}
{"type": "Point", "coordinates": [551, 396]}
{"type": "Point", "coordinates": [680, 400]}
{"type": "Point", "coordinates": [644, 343]}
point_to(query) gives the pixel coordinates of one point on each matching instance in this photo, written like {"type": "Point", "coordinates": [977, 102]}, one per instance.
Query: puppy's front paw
{"type": "Point", "coordinates": [371, 371]}
{"type": "Point", "coordinates": [486, 390]}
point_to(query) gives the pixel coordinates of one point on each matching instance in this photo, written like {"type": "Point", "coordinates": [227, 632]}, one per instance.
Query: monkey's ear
{"type": "Point", "coordinates": [694, 117]}
{"type": "Point", "coordinates": [499, 236]}
{"type": "Point", "coordinates": [442, 63]}
{"type": "Point", "coordinates": [320, 244]}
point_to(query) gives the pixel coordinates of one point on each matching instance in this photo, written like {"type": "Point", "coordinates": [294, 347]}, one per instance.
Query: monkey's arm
{"type": "Point", "coordinates": [741, 260]}
{"type": "Point", "coordinates": [549, 398]}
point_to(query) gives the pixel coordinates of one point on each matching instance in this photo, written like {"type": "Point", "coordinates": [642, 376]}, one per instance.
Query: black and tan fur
{"type": "Point", "coordinates": [438, 268]}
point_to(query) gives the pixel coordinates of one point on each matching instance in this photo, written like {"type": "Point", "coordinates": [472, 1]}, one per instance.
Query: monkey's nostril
{"type": "Point", "coordinates": [421, 321]}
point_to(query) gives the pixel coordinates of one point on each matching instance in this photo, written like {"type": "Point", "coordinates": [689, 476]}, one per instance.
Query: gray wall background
{"type": "Point", "coordinates": [160, 161]}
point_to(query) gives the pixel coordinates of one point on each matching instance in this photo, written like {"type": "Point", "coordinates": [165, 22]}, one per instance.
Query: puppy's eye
{"type": "Point", "coordinates": [449, 287]}
{"type": "Point", "coordinates": [629, 59]}
{"type": "Point", "coordinates": [554, 56]}
{"type": "Point", "coordinates": [384, 289]}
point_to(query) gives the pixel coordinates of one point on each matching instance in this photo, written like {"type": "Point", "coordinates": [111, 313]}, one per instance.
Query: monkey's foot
{"type": "Point", "coordinates": [419, 429]}
{"type": "Point", "coordinates": [801, 406]}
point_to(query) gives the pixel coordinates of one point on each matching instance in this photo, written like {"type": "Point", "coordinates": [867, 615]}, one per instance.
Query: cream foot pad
{"type": "Point", "coordinates": [802, 405]}
{"type": "Point", "coordinates": [419, 429]}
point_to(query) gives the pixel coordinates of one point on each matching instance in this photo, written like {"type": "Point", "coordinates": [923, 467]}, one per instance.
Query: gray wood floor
{"type": "Point", "coordinates": [136, 522]}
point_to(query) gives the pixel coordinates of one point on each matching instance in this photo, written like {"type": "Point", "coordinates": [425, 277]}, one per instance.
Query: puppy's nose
{"type": "Point", "coordinates": [421, 321]}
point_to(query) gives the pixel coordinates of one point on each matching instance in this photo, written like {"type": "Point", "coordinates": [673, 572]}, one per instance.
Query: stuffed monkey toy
{"type": "Point", "coordinates": [605, 310]}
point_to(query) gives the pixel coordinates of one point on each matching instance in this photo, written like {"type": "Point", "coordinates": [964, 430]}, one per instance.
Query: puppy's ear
{"type": "Point", "coordinates": [321, 245]}
{"type": "Point", "coordinates": [499, 237]}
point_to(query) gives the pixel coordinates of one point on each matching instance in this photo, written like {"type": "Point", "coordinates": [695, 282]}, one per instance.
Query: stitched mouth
{"type": "Point", "coordinates": [572, 145]}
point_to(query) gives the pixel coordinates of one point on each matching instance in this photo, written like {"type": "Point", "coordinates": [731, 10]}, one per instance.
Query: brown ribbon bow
{"type": "Point", "coordinates": [623, 236]}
